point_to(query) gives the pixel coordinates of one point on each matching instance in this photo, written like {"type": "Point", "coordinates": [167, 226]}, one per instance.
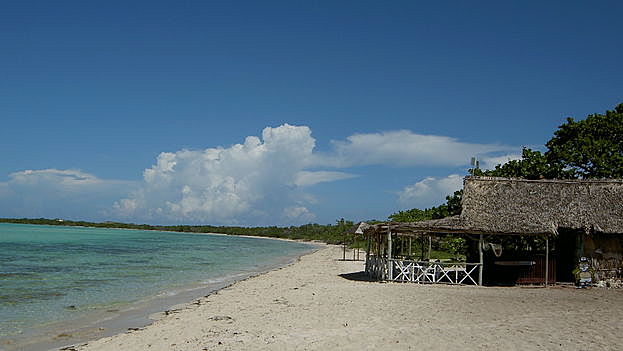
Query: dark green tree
{"type": "Point", "coordinates": [450, 208]}
{"type": "Point", "coordinates": [412, 215]}
{"type": "Point", "coordinates": [532, 165]}
{"type": "Point", "coordinates": [450, 244]}
{"type": "Point", "coordinates": [591, 148]}
{"type": "Point", "coordinates": [453, 203]}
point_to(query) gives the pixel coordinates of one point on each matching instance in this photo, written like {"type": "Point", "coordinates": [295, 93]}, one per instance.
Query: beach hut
{"type": "Point", "coordinates": [568, 219]}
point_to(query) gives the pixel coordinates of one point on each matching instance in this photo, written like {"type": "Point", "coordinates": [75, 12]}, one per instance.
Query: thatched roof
{"type": "Point", "coordinates": [359, 228]}
{"type": "Point", "coordinates": [519, 206]}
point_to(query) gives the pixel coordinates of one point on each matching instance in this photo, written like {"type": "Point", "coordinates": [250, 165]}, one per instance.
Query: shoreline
{"type": "Point", "coordinates": [187, 304]}
{"type": "Point", "coordinates": [111, 320]}
{"type": "Point", "coordinates": [321, 303]}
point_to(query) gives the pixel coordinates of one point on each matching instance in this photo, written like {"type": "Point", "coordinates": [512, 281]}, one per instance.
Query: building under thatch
{"type": "Point", "coordinates": [581, 217]}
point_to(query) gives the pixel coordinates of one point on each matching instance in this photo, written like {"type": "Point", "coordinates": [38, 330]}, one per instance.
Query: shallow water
{"type": "Point", "coordinates": [51, 274]}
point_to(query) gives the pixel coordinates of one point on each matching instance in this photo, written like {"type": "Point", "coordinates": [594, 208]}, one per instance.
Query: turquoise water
{"type": "Point", "coordinates": [52, 274]}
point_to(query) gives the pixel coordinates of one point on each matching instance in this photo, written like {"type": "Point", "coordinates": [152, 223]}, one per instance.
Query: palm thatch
{"type": "Point", "coordinates": [525, 207]}
{"type": "Point", "coordinates": [359, 228]}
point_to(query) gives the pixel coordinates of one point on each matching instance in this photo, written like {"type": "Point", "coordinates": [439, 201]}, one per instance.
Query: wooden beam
{"type": "Point", "coordinates": [412, 229]}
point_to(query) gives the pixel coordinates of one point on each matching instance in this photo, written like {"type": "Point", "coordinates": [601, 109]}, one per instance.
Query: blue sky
{"type": "Point", "coordinates": [283, 112]}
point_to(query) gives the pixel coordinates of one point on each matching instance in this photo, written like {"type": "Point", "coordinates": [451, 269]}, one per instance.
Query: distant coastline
{"type": "Point", "coordinates": [329, 233]}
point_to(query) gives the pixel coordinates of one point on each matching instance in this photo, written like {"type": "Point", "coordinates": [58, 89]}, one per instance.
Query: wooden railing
{"type": "Point", "coordinates": [434, 272]}
{"type": "Point", "coordinates": [422, 271]}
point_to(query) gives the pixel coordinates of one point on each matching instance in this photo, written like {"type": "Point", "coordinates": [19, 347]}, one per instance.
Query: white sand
{"type": "Point", "coordinates": [309, 306]}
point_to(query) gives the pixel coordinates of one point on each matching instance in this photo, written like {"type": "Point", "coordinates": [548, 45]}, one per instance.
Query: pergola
{"type": "Point", "coordinates": [494, 207]}
{"type": "Point", "coordinates": [384, 263]}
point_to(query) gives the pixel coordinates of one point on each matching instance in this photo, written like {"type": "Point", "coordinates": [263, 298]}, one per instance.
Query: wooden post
{"type": "Point", "coordinates": [409, 246]}
{"type": "Point", "coordinates": [481, 261]}
{"type": "Point", "coordinates": [369, 244]}
{"type": "Point", "coordinates": [546, 260]}
{"type": "Point", "coordinates": [430, 245]}
{"type": "Point", "coordinates": [390, 267]}
{"type": "Point", "coordinates": [389, 243]}
{"type": "Point", "coordinates": [344, 249]}
{"type": "Point", "coordinates": [367, 265]}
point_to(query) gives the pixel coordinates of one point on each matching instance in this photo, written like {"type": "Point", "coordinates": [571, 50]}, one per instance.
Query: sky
{"type": "Point", "coordinates": [283, 112]}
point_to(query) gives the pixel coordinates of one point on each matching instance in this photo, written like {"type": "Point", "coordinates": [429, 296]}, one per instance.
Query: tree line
{"type": "Point", "coordinates": [328, 233]}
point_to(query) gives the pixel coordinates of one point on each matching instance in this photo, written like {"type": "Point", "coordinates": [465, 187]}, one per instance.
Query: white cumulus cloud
{"type": "Point", "coordinates": [430, 191]}
{"type": "Point", "coordinates": [252, 182]}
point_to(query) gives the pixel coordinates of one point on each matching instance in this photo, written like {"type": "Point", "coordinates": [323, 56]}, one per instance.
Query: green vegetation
{"type": "Point", "coordinates": [450, 208]}
{"type": "Point", "coordinates": [330, 233]}
{"type": "Point", "coordinates": [590, 148]}
{"type": "Point", "coordinates": [449, 246]}
{"type": "Point", "coordinates": [532, 165]}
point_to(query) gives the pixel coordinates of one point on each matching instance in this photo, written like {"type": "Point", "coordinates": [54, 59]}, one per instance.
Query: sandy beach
{"type": "Point", "coordinates": [323, 303]}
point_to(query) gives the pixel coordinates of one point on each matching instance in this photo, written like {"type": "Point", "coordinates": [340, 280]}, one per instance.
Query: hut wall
{"type": "Point", "coordinates": [606, 252]}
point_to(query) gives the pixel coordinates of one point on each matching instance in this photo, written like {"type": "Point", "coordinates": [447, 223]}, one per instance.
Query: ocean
{"type": "Point", "coordinates": [57, 283]}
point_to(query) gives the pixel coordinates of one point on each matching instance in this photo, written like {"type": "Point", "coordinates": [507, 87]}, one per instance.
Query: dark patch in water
{"type": "Point", "coordinates": [137, 261]}
{"type": "Point", "coordinates": [4, 275]}
{"type": "Point", "coordinates": [26, 295]}
{"type": "Point", "coordinates": [32, 269]}
{"type": "Point", "coordinates": [31, 250]}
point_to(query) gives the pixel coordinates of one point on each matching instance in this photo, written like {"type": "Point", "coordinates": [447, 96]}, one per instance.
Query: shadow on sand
{"type": "Point", "coordinates": [357, 276]}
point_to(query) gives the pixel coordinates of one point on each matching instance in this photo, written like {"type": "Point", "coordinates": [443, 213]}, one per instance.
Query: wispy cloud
{"type": "Point", "coordinates": [298, 213]}
{"type": "Point", "coordinates": [60, 193]}
{"type": "Point", "coordinates": [306, 178]}
{"type": "Point", "coordinates": [430, 191]}
{"type": "Point", "coordinates": [254, 182]}
{"type": "Point", "coordinates": [405, 148]}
